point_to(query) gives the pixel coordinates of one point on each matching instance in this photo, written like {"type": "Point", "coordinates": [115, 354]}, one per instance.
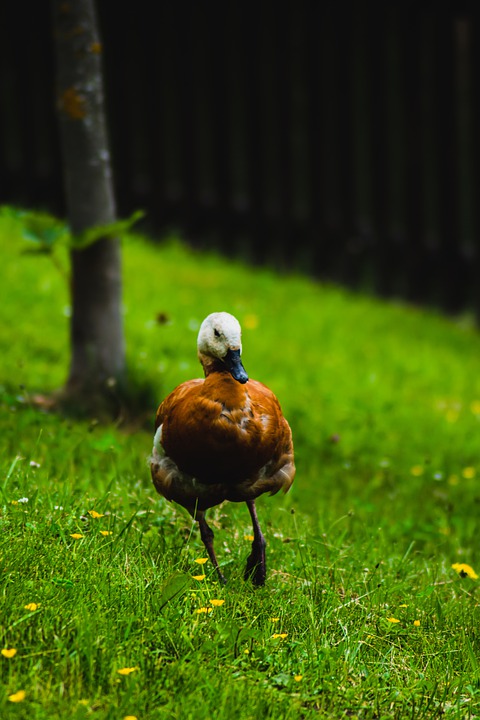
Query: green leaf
{"type": "Point", "coordinates": [111, 230]}
{"type": "Point", "coordinates": [46, 232]}
{"type": "Point", "coordinates": [62, 582]}
{"type": "Point", "coordinates": [42, 229]}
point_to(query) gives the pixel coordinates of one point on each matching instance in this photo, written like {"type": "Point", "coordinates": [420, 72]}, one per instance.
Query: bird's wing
{"type": "Point", "coordinates": [178, 395]}
{"type": "Point", "coordinates": [277, 436]}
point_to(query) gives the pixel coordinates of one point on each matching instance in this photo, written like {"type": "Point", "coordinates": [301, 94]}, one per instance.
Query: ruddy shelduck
{"type": "Point", "coordinates": [222, 438]}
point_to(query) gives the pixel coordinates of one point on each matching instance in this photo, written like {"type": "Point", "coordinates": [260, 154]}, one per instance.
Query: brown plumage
{"type": "Point", "coordinates": [222, 438]}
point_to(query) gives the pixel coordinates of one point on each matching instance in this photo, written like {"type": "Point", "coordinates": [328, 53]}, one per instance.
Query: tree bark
{"type": "Point", "coordinates": [96, 328]}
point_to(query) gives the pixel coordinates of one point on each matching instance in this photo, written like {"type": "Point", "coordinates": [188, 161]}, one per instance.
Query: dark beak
{"type": "Point", "coordinates": [233, 361]}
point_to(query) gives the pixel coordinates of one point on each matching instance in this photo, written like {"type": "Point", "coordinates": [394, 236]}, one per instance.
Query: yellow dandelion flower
{"type": "Point", "coordinates": [246, 651]}
{"type": "Point", "coordinates": [18, 696]}
{"type": "Point", "coordinates": [392, 620]}
{"type": "Point", "coordinates": [201, 561]}
{"type": "Point", "coordinates": [127, 670]}
{"type": "Point", "coordinates": [32, 606]}
{"type": "Point", "coordinates": [469, 473]}
{"type": "Point", "coordinates": [130, 717]}
{"type": "Point", "coordinates": [282, 636]}
{"type": "Point", "coordinates": [475, 407]}
{"type": "Point", "coordinates": [417, 470]}
{"type": "Point", "coordinates": [416, 623]}
{"type": "Point", "coordinates": [14, 502]}
{"type": "Point", "coordinates": [199, 577]}
{"type": "Point", "coordinates": [94, 514]}
{"type": "Point", "coordinates": [216, 603]}
{"type": "Point", "coordinates": [9, 652]}
{"type": "Point", "coordinates": [274, 619]}
{"type": "Point", "coordinates": [248, 537]}
{"type": "Point", "coordinates": [201, 610]}
{"type": "Point", "coordinates": [105, 533]}
{"type": "Point", "coordinates": [465, 570]}
{"type": "Point", "coordinates": [403, 605]}
{"type": "Point", "coordinates": [297, 678]}
{"type": "Point", "coordinates": [76, 536]}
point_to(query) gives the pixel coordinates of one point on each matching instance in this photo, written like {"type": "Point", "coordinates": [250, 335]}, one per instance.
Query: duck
{"type": "Point", "coordinates": [222, 438]}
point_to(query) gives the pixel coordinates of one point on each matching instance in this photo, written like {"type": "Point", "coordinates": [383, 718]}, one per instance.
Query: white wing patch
{"type": "Point", "coordinates": [157, 442]}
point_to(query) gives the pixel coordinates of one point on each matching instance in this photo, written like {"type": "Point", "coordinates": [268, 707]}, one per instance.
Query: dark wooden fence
{"type": "Point", "coordinates": [340, 138]}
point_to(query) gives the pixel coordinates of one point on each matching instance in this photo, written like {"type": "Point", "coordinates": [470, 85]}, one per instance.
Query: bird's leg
{"type": "Point", "coordinates": [206, 533]}
{"type": "Point", "coordinates": [256, 568]}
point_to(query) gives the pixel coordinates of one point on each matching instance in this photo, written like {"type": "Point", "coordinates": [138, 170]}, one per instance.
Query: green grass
{"type": "Point", "coordinates": [384, 403]}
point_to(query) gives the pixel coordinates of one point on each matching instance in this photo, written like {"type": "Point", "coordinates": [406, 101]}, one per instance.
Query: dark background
{"type": "Point", "coordinates": [338, 138]}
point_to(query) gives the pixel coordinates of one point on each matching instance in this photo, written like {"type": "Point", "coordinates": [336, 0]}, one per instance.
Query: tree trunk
{"type": "Point", "coordinates": [96, 328]}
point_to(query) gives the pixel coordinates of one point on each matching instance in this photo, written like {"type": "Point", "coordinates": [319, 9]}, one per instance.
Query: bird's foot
{"type": "Point", "coordinates": [256, 569]}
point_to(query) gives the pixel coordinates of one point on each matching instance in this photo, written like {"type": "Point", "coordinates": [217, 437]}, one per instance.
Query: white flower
{"type": "Point", "coordinates": [23, 500]}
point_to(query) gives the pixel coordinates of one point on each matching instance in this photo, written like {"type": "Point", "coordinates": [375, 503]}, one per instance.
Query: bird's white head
{"type": "Point", "coordinates": [220, 339]}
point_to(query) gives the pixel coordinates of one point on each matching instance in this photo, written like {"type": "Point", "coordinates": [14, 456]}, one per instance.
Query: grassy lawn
{"type": "Point", "coordinates": [362, 614]}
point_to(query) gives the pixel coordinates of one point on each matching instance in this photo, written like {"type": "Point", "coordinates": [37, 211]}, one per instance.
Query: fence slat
{"type": "Point", "coordinates": [313, 30]}
{"type": "Point", "coordinates": [377, 44]}
{"type": "Point", "coordinates": [252, 63]}
{"type": "Point", "coordinates": [417, 280]}
{"type": "Point", "coordinates": [449, 265]}
{"type": "Point", "coordinates": [282, 107]}
{"type": "Point", "coordinates": [219, 99]}
{"type": "Point", "coordinates": [349, 260]}
{"type": "Point", "coordinates": [475, 163]}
